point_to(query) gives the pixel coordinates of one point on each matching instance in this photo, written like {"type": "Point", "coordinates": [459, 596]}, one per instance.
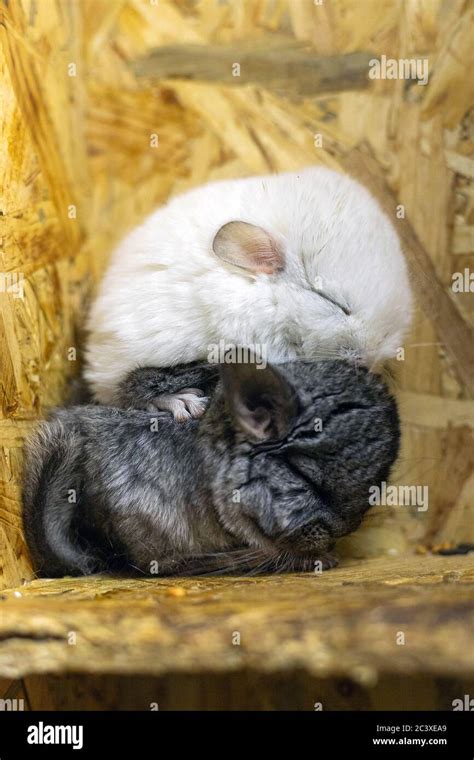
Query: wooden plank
{"type": "Point", "coordinates": [289, 68]}
{"type": "Point", "coordinates": [342, 623]}
{"type": "Point", "coordinates": [456, 334]}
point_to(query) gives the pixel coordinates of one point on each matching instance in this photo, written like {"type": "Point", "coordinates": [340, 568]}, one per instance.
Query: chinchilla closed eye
{"type": "Point", "coordinates": [276, 470]}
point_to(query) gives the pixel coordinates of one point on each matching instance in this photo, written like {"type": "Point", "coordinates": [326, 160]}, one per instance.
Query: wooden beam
{"type": "Point", "coordinates": [456, 335]}
{"type": "Point", "coordinates": [295, 69]}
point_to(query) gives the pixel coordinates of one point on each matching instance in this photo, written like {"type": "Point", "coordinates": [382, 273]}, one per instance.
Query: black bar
{"type": "Point", "coordinates": [136, 734]}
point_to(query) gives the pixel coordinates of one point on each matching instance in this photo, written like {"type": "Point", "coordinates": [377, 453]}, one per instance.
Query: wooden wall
{"type": "Point", "coordinates": [235, 691]}
{"type": "Point", "coordinates": [91, 140]}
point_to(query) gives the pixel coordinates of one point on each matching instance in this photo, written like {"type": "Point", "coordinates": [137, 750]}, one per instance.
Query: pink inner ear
{"type": "Point", "coordinates": [248, 246]}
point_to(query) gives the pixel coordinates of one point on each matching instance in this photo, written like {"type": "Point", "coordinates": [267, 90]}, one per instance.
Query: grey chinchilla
{"type": "Point", "coordinates": [278, 467]}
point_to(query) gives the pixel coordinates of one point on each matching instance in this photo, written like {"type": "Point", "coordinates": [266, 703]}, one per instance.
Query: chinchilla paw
{"type": "Point", "coordinates": [190, 403]}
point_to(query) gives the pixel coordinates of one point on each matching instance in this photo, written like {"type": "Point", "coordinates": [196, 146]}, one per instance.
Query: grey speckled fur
{"type": "Point", "coordinates": [253, 485]}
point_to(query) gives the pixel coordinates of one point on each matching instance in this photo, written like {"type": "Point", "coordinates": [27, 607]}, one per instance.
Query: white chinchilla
{"type": "Point", "coordinates": [301, 264]}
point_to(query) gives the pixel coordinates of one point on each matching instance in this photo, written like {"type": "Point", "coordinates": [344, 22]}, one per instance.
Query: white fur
{"type": "Point", "coordinates": [166, 296]}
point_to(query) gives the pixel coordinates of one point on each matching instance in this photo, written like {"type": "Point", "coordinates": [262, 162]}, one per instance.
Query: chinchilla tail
{"type": "Point", "coordinates": [51, 490]}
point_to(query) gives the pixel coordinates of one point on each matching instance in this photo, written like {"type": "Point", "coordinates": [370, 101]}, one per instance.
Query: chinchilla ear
{"type": "Point", "coordinates": [260, 400]}
{"type": "Point", "coordinates": [248, 247]}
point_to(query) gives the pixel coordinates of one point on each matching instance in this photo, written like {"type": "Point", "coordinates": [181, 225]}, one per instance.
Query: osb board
{"type": "Point", "coordinates": [88, 147]}
{"type": "Point", "coordinates": [408, 616]}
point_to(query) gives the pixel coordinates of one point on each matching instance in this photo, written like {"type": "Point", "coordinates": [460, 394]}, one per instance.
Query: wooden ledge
{"type": "Point", "coordinates": [345, 622]}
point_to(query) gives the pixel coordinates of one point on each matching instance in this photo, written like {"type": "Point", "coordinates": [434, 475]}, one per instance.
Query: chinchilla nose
{"type": "Point", "coordinates": [313, 536]}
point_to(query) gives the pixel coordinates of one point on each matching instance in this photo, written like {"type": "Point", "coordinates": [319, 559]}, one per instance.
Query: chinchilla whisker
{"type": "Point", "coordinates": [261, 567]}
{"type": "Point", "coordinates": [224, 562]}
{"type": "Point", "coordinates": [282, 559]}
{"type": "Point", "coordinates": [280, 563]}
{"type": "Point", "coordinates": [290, 562]}
{"type": "Point", "coordinates": [321, 355]}
{"type": "Point", "coordinates": [138, 568]}
{"type": "Point", "coordinates": [249, 562]}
